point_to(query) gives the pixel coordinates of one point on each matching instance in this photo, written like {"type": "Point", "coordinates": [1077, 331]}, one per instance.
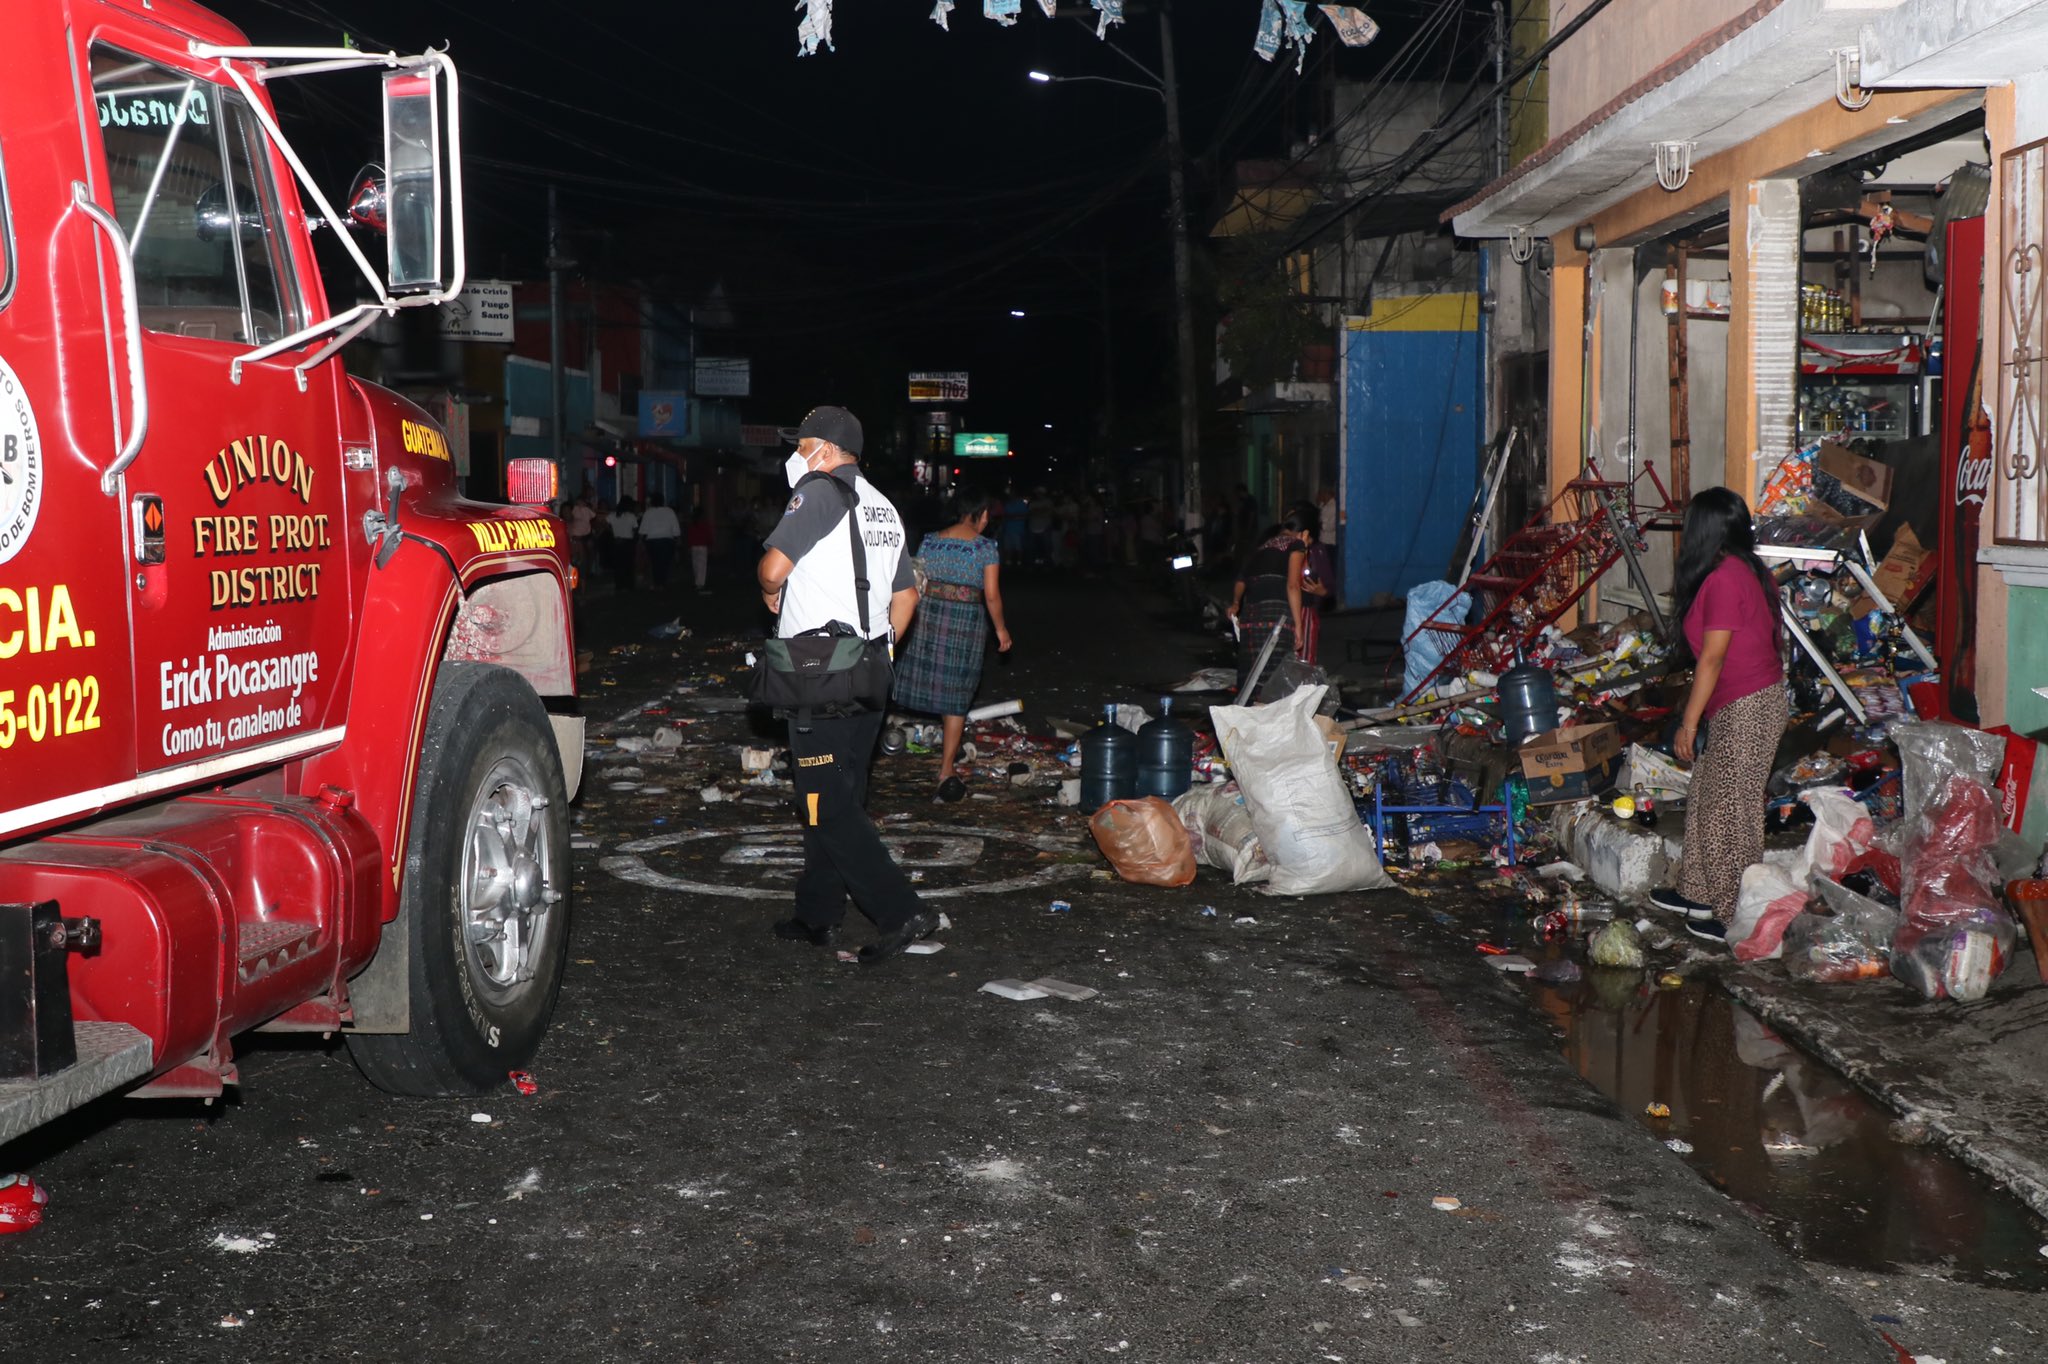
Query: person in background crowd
{"type": "Point", "coordinates": [1151, 535]}
{"type": "Point", "coordinates": [1268, 598]}
{"type": "Point", "coordinates": [701, 538]}
{"type": "Point", "coordinates": [1040, 526]}
{"type": "Point", "coordinates": [1315, 596]}
{"type": "Point", "coordinates": [1729, 604]}
{"type": "Point", "coordinates": [807, 579]}
{"type": "Point", "coordinates": [1244, 519]}
{"type": "Point", "coordinates": [601, 540]}
{"type": "Point", "coordinates": [1066, 529]}
{"type": "Point", "coordinates": [661, 531]}
{"type": "Point", "coordinates": [766, 517]}
{"type": "Point", "coordinates": [940, 668]}
{"type": "Point", "coordinates": [582, 519]}
{"type": "Point", "coordinates": [625, 529]}
{"type": "Point", "coordinates": [1216, 543]}
{"type": "Point", "coordinates": [1094, 531]}
{"type": "Point", "coordinates": [1323, 556]}
{"type": "Point", "coordinates": [1016, 529]}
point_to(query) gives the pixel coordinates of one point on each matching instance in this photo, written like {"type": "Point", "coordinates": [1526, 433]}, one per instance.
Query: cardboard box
{"type": "Point", "coordinates": [1900, 567]}
{"type": "Point", "coordinates": [1866, 478]}
{"type": "Point", "coordinates": [1573, 763]}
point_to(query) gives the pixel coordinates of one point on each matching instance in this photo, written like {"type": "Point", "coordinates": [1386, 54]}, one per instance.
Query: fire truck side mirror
{"type": "Point", "coordinates": [414, 199]}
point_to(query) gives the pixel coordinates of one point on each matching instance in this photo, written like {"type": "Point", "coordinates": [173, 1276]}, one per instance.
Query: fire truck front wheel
{"type": "Point", "coordinates": [486, 897]}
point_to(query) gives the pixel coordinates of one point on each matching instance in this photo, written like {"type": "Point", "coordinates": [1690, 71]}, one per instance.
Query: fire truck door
{"type": "Point", "coordinates": [240, 613]}
{"type": "Point", "coordinates": [65, 740]}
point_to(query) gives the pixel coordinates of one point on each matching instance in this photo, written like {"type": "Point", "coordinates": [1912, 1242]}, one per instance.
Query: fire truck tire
{"type": "Point", "coordinates": [486, 898]}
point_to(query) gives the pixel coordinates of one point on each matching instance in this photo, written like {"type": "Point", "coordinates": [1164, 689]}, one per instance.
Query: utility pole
{"type": "Point", "coordinates": [1500, 92]}
{"type": "Point", "coordinates": [558, 445]}
{"type": "Point", "coordinates": [1184, 319]}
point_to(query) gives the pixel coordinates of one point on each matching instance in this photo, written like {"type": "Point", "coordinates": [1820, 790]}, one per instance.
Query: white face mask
{"type": "Point", "coordinates": [795, 467]}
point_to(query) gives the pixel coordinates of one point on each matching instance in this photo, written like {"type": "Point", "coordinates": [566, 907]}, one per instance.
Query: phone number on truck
{"type": "Point", "coordinates": [71, 706]}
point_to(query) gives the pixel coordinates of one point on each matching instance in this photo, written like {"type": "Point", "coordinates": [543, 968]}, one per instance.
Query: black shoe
{"type": "Point", "coordinates": [796, 930]}
{"type": "Point", "coordinates": [1708, 929]}
{"type": "Point", "coordinates": [1669, 900]}
{"type": "Point", "coordinates": [920, 925]}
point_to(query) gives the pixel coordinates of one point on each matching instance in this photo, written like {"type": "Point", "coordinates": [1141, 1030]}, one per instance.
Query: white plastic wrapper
{"type": "Point", "coordinates": [815, 27]}
{"type": "Point", "coordinates": [1354, 27]}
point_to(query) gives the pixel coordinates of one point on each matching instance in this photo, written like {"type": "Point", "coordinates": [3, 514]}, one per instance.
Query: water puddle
{"type": "Point", "coordinates": [1819, 1164]}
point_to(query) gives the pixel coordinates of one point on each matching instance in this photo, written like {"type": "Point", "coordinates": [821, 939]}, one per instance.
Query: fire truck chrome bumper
{"type": "Point", "coordinates": [109, 1056]}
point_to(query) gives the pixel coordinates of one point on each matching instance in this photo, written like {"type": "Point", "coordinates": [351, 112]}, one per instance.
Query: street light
{"type": "Point", "coordinates": [1164, 85]}
{"type": "Point", "coordinates": [1016, 312]}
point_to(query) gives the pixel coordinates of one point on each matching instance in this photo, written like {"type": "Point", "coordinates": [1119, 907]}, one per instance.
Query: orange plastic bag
{"type": "Point", "coordinates": [1145, 841]}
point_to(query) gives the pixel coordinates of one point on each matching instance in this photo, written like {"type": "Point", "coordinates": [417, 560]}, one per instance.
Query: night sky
{"type": "Point", "coordinates": [869, 210]}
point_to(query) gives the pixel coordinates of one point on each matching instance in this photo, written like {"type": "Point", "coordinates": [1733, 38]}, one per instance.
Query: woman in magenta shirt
{"type": "Point", "coordinates": [1728, 602]}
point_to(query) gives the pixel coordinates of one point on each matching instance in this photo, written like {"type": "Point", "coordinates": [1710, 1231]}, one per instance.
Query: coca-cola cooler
{"type": "Point", "coordinates": [1861, 386]}
{"type": "Point", "coordinates": [1965, 467]}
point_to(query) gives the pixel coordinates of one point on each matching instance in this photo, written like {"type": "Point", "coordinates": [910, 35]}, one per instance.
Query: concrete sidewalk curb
{"type": "Point", "coordinates": [1956, 1122]}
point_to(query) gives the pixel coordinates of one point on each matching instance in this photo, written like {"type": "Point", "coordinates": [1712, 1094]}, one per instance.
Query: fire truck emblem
{"type": "Point", "coordinates": [21, 465]}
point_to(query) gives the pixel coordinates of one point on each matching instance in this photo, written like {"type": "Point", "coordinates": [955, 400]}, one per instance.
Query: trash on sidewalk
{"type": "Point", "coordinates": [22, 1201]}
{"type": "Point", "coordinates": [1298, 803]}
{"type": "Point", "coordinates": [1013, 989]}
{"type": "Point", "coordinates": [1061, 989]}
{"type": "Point", "coordinates": [924, 949]}
{"type": "Point", "coordinates": [1221, 834]}
{"type": "Point", "coordinates": [1145, 841]}
{"type": "Point", "coordinates": [1511, 962]}
{"type": "Point", "coordinates": [1617, 944]}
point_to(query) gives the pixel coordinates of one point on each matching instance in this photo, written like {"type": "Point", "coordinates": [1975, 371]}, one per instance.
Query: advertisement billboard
{"type": "Point", "coordinates": [938, 386]}
{"type": "Point", "coordinates": [718, 377]}
{"type": "Point", "coordinates": [481, 312]}
{"type": "Point", "coordinates": [980, 445]}
{"type": "Point", "coordinates": [665, 414]}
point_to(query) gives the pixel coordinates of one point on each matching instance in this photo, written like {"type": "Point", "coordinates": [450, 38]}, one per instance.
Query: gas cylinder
{"type": "Point", "coordinates": [1166, 755]}
{"type": "Point", "coordinates": [1109, 763]}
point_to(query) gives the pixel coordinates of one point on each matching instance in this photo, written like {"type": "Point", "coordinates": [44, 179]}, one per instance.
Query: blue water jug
{"type": "Point", "coordinates": [1528, 702]}
{"type": "Point", "coordinates": [1109, 763]}
{"type": "Point", "coordinates": [1166, 755]}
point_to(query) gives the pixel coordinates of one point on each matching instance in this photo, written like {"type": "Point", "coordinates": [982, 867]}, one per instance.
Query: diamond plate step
{"type": "Point", "coordinates": [109, 1056]}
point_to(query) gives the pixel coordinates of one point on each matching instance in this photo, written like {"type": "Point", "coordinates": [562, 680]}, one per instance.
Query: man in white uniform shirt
{"type": "Point", "coordinates": [807, 578]}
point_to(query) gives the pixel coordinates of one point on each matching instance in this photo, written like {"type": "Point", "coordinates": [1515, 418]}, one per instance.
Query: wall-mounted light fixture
{"type": "Point", "coordinates": [1521, 246]}
{"type": "Point", "coordinates": [1849, 91]}
{"type": "Point", "coordinates": [1583, 237]}
{"type": "Point", "coordinates": [1674, 163]}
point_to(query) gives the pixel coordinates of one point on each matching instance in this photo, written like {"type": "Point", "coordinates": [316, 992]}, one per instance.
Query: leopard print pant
{"type": "Point", "coordinates": [1724, 810]}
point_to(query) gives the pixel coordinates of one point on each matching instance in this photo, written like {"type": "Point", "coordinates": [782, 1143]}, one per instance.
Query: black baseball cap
{"type": "Point", "coordinates": [834, 424]}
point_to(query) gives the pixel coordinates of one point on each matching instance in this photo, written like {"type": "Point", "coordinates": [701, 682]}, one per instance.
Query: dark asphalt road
{"type": "Point", "coordinates": [742, 1149]}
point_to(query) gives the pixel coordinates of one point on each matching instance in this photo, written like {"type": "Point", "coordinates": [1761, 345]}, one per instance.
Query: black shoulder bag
{"type": "Point", "coordinates": [830, 670]}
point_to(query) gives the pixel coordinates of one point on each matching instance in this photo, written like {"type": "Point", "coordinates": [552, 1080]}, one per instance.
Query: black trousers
{"type": "Point", "coordinates": [843, 852]}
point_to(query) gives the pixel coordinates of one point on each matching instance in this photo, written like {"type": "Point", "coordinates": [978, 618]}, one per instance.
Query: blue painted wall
{"type": "Point", "coordinates": [1411, 440]}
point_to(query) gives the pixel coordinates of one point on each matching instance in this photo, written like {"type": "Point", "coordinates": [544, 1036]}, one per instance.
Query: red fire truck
{"type": "Point", "coordinates": [287, 725]}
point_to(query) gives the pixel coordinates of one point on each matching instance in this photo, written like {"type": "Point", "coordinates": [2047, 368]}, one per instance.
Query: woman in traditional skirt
{"type": "Point", "coordinates": [1268, 596]}
{"type": "Point", "coordinates": [940, 666]}
{"type": "Point", "coordinates": [1728, 601]}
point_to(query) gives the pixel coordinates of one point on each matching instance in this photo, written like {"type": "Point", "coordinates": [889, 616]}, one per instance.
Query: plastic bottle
{"type": "Point", "coordinates": [1166, 755]}
{"type": "Point", "coordinates": [1109, 763]}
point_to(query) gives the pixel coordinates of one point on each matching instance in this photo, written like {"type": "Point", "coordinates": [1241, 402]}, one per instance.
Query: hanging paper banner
{"type": "Point", "coordinates": [1354, 26]}
{"type": "Point", "coordinates": [815, 27]}
{"type": "Point", "coordinates": [1003, 12]}
{"type": "Point", "coordinates": [939, 13]}
{"type": "Point", "coordinates": [1051, 8]}
{"type": "Point", "coordinates": [1112, 12]}
{"type": "Point", "coordinates": [1267, 44]}
{"type": "Point", "coordinates": [1298, 30]}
